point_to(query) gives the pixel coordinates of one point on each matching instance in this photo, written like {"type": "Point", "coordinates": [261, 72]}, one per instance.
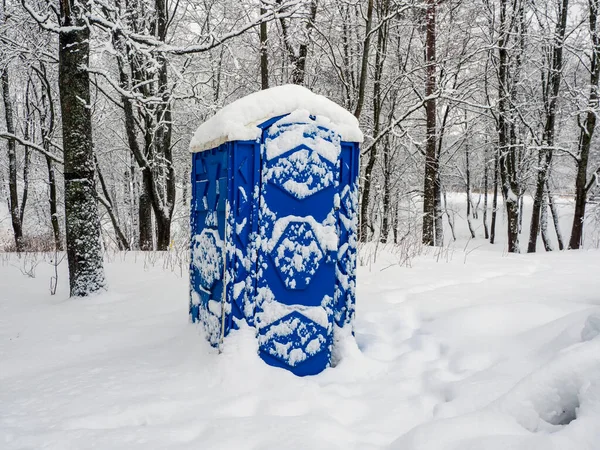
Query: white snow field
{"type": "Point", "coordinates": [464, 350]}
{"type": "Point", "coordinates": [477, 351]}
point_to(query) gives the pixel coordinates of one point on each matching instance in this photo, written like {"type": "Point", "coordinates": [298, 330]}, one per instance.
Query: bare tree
{"type": "Point", "coordinates": [380, 56]}
{"type": "Point", "coordinates": [84, 248]}
{"type": "Point", "coordinates": [551, 80]}
{"type": "Point", "coordinates": [511, 24]}
{"type": "Point", "coordinates": [13, 198]}
{"type": "Point", "coordinates": [432, 232]}
{"type": "Point", "coordinates": [587, 128]}
{"type": "Point", "coordinates": [366, 45]}
{"type": "Point", "coordinates": [299, 57]}
{"type": "Point", "coordinates": [47, 121]}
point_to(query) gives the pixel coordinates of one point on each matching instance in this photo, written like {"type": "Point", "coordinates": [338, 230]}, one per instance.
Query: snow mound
{"type": "Point", "coordinates": [555, 406]}
{"type": "Point", "coordinates": [239, 120]}
{"type": "Point", "coordinates": [557, 393]}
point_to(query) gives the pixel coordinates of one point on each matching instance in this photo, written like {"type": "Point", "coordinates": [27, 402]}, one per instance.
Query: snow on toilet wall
{"type": "Point", "coordinates": [290, 239]}
{"type": "Point", "coordinates": [298, 236]}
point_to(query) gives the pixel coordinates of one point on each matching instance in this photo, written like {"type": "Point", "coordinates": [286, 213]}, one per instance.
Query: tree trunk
{"type": "Point", "coordinates": [450, 218]}
{"type": "Point", "coordinates": [438, 208]}
{"type": "Point", "coordinates": [163, 235]}
{"type": "Point", "coordinates": [27, 127]}
{"type": "Point", "coordinates": [544, 223]}
{"type": "Point", "coordinates": [377, 106]}
{"type": "Point", "coordinates": [512, 216]}
{"type": "Point", "coordinates": [84, 247]}
{"type": "Point", "coordinates": [494, 202]}
{"type": "Point", "coordinates": [387, 173]}
{"type": "Point", "coordinates": [145, 220]}
{"type": "Point", "coordinates": [586, 133]}
{"type": "Point", "coordinates": [144, 205]}
{"type": "Point", "coordinates": [153, 199]}
{"type": "Point", "coordinates": [365, 196]}
{"type": "Point", "coordinates": [264, 56]}
{"type": "Point", "coordinates": [520, 202]}
{"type": "Point", "coordinates": [300, 68]}
{"type": "Point", "coordinates": [506, 139]}
{"type": "Point", "coordinates": [53, 205]}
{"type": "Point", "coordinates": [163, 210]}
{"type": "Point", "coordinates": [350, 85]}
{"type": "Point", "coordinates": [553, 210]}
{"type": "Point", "coordinates": [25, 193]}
{"type": "Point", "coordinates": [486, 231]}
{"type": "Point", "coordinates": [362, 82]}
{"type": "Point", "coordinates": [468, 190]}
{"type": "Point", "coordinates": [580, 182]}
{"type": "Point", "coordinates": [132, 202]}
{"type": "Point", "coordinates": [538, 199]}
{"type": "Point", "coordinates": [395, 218]}
{"type": "Point", "coordinates": [13, 193]}
{"type": "Point", "coordinates": [47, 126]}
{"type": "Point", "coordinates": [299, 60]}
{"type": "Point", "coordinates": [380, 56]}
{"type": "Point", "coordinates": [431, 185]}
{"type": "Point", "coordinates": [551, 91]}
{"type": "Point", "coordinates": [122, 242]}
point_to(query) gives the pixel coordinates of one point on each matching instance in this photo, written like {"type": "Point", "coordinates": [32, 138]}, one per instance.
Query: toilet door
{"type": "Point", "coordinates": [298, 244]}
{"type": "Point", "coordinates": [209, 223]}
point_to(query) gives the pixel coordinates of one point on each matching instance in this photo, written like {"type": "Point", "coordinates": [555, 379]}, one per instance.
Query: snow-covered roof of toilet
{"type": "Point", "coordinates": [240, 120]}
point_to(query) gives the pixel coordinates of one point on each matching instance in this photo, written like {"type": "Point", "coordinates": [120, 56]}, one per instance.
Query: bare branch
{"type": "Point", "coordinates": [32, 145]}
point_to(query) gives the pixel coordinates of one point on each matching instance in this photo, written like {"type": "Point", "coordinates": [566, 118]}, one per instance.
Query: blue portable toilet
{"type": "Point", "coordinates": [274, 216]}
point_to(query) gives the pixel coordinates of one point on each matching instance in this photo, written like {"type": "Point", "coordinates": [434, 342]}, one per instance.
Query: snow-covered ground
{"type": "Point", "coordinates": [477, 351]}
{"type": "Point", "coordinates": [468, 348]}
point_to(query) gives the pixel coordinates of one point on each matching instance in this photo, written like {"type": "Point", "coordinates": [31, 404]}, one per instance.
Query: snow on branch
{"type": "Point", "coordinates": [281, 10]}
{"type": "Point", "coordinates": [128, 94]}
{"type": "Point", "coordinates": [594, 181]}
{"type": "Point", "coordinates": [395, 123]}
{"type": "Point", "coordinates": [31, 145]}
